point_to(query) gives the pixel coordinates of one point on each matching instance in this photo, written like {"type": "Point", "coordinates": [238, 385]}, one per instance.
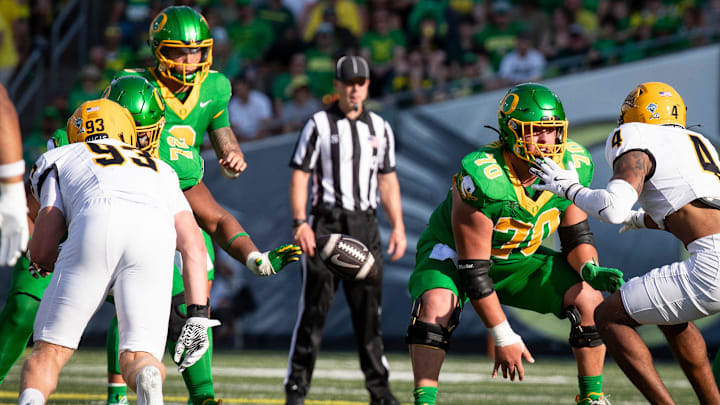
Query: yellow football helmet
{"type": "Point", "coordinates": [653, 103]}
{"type": "Point", "coordinates": [101, 119]}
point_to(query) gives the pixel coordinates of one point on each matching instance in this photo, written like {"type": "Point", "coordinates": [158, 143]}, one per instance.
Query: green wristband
{"type": "Point", "coordinates": [235, 237]}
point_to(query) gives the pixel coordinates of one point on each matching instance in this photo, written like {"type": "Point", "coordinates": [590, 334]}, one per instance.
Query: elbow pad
{"type": "Point", "coordinates": [611, 204]}
{"type": "Point", "coordinates": [475, 278]}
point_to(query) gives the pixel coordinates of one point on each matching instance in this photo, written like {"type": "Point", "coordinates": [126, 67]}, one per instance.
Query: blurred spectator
{"type": "Point", "coordinates": [537, 22]}
{"type": "Point", "coordinates": [249, 36]}
{"type": "Point", "coordinates": [606, 46]}
{"type": "Point", "coordinates": [523, 64]}
{"type": "Point", "coordinates": [226, 11]}
{"type": "Point", "coordinates": [145, 58]}
{"type": "Point", "coordinates": [8, 53]}
{"type": "Point", "coordinates": [574, 54]}
{"type": "Point", "coordinates": [280, 90]}
{"type": "Point", "coordinates": [427, 10]}
{"type": "Point", "coordinates": [579, 15]}
{"type": "Point", "coordinates": [349, 15]}
{"type": "Point", "coordinates": [117, 55]}
{"type": "Point", "coordinates": [224, 59]}
{"type": "Point", "coordinates": [88, 87]}
{"type": "Point", "coordinates": [498, 36]}
{"type": "Point", "coordinates": [346, 41]}
{"type": "Point", "coordinates": [35, 144]}
{"type": "Point", "coordinates": [465, 42]}
{"type": "Point", "coordinates": [249, 110]}
{"type": "Point", "coordinates": [464, 8]}
{"type": "Point", "coordinates": [14, 37]}
{"type": "Point", "coordinates": [378, 46]}
{"type": "Point", "coordinates": [300, 107]}
{"type": "Point", "coordinates": [321, 62]}
{"type": "Point", "coordinates": [279, 17]}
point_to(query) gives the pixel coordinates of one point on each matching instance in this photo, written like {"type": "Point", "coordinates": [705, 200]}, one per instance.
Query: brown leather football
{"type": "Point", "coordinates": [345, 256]}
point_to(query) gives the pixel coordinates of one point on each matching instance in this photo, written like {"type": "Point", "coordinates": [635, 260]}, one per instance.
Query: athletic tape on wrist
{"type": "Point", "coordinates": [12, 169]}
{"type": "Point", "coordinates": [503, 335]}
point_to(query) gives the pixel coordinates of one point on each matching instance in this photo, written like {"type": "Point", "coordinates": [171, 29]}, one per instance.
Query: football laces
{"type": "Point", "coordinates": [352, 251]}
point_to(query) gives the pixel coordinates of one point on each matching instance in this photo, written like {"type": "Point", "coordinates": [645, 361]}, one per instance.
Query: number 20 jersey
{"type": "Point", "coordinates": [489, 184]}
{"type": "Point", "coordinates": [107, 169]}
{"type": "Point", "coordinates": [685, 165]}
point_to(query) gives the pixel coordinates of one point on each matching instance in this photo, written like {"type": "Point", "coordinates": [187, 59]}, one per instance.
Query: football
{"type": "Point", "coordinates": [345, 256]}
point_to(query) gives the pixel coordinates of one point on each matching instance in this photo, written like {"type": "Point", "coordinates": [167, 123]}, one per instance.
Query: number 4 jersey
{"type": "Point", "coordinates": [72, 176]}
{"type": "Point", "coordinates": [522, 217]}
{"type": "Point", "coordinates": [685, 165]}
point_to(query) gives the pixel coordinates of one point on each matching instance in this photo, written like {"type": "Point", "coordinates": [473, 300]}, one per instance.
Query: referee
{"type": "Point", "coordinates": [350, 153]}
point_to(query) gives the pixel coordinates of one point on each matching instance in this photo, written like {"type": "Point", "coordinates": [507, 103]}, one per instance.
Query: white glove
{"type": "Point", "coordinates": [634, 220]}
{"type": "Point", "coordinates": [259, 263]}
{"type": "Point", "coordinates": [13, 222]}
{"type": "Point", "coordinates": [561, 182]}
{"type": "Point", "coordinates": [193, 341]}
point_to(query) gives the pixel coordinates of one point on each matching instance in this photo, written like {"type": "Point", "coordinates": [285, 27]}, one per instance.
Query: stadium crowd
{"type": "Point", "coordinates": [280, 53]}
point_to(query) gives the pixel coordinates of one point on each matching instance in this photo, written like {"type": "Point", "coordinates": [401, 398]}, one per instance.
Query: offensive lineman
{"type": "Point", "coordinates": [673, 173]}
{"type": "Point", "coordinates": [124, 216]}
{"type": "Point", "coordinates": [483, 244]}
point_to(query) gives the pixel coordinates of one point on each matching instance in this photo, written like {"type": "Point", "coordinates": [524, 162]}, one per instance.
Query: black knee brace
{"type": "Point", "coordinates": [430, 334]}
{"type": "Point", "coordinates": [581, 336]}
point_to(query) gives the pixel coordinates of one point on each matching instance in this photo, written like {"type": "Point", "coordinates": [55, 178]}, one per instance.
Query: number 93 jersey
{"type": "Point", "coordinates": [104, 169]}
{"type": "Point", "coordinates": [522, 217]}
{"type": "Point", "coordinates": [685, 165]}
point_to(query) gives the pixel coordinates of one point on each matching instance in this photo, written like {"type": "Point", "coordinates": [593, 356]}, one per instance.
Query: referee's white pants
{"type": "Point", "coordinates": [124, 246]}
{"type": "Point", "coordinates": [678, 292]}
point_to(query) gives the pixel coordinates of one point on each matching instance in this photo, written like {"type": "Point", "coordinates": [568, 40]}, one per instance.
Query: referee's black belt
{"type": "Point", "coordinates": [337, 213]}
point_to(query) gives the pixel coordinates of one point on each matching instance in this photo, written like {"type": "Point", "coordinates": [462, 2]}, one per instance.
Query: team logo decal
{"type": "Point", "coordinates": [509, 103]}
{"type": "Point", "coordinates": [652, 108]}
{"type": "Point", "coordinates": [79, 125]}
{"type": "Point", "coordinates": [159, 22]}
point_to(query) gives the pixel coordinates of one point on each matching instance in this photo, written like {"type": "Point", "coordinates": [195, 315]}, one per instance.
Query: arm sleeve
{"type": "Point", "coordinates": [387, 163]}
{"type": "Point", "coordinates": [611, 204]}
{"type": "Point", "coordinates": [306, 152]}
{"type": "Point", "coordinates": [50, 192]}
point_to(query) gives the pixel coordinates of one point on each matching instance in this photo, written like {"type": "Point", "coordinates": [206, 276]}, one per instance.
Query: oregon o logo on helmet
{"type": "Point", "coordinates": [509, 103]}
{"type": "Point", "coordinates": [159, 22]}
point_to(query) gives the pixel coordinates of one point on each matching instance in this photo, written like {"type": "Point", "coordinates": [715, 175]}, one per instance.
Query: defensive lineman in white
{"type": "Point", "coordinates": [674, 174]}
{"type": "Point", "coordinates": [124, 215]}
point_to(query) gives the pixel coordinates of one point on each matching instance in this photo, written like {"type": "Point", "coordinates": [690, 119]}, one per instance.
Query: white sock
{"type": "Point", "coordinates": [31, 396]}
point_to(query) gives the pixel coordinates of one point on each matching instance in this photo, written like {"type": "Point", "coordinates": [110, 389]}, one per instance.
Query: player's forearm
{"type": "Point", "coordinates": [10, 141]}
{"type": "Point", "coordinates": [50, 226]}
{"type": "Point", "coordinates": [582, 254]}
{"type": "Point", "coordinates": [489, 310]}
{"type": "Point", "coordinates": [299, 194]}
{"type": "Point", "coordinates": [390, 198]}
{"type": "Point", "coordinates": [224, 142]}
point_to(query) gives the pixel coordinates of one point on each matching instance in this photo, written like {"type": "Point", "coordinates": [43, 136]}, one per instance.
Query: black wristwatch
{"type": "Point", "coordinates": [298, 222]}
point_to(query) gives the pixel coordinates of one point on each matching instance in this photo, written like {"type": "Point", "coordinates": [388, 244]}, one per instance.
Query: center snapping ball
{"type": "Point", "coordinates": [345, 256]}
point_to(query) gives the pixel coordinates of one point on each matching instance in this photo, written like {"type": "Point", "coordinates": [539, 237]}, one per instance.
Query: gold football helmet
{"type": "Point", "coordinates": [101, 119]}
{"type": "Point", "coordinates": [653, 103]}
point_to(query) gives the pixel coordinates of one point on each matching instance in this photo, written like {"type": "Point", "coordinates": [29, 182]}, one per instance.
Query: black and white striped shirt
{"type": "Point", "coordinates": [345, 157]}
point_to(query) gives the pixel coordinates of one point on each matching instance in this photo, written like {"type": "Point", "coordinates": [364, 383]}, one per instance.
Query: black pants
{"type": "Point", "coordinates": [363, 297]}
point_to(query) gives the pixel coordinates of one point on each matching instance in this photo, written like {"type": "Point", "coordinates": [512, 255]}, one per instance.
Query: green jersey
{"type": "Point", "coordinates": [204, 109]}
{"type": "Point", "coordinates": [522, 217]}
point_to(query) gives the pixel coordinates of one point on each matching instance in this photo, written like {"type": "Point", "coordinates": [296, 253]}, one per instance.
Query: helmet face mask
{"type": "Point", "coordinates": [530, 117]}
{"type": "Point", "coordinates": [101, 119]}
{"type": "Point", "coordinates": [653, 103]}
{"type": "Point", "coordinates": [143, 101]}
{"type": "Point", "coordinates": [176, 35]}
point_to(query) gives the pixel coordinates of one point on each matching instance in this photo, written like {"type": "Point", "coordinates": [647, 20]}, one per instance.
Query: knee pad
{"type": "Point", "coordinates": [581, 336]}
{"type": "Point", "coordinates": [430, 334]}
{"type": "Point", "coordinates": [177, 316]}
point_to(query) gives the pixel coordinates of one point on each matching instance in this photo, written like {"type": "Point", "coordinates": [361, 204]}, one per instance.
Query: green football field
{"type": "Point", "coordinates": [256, 377]}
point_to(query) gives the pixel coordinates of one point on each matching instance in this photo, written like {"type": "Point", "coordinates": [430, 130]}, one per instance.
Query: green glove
{"type": "Point", "coordinates": [271, 262]}
{"type": "Point", "coordinates": [602, 278]}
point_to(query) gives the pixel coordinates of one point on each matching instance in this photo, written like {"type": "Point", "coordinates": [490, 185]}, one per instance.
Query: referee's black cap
{"type": "Point", "coordinates": [351, 67]}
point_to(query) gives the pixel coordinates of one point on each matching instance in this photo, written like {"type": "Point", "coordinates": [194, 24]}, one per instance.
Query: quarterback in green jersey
{"type": "Point", "coordinates": [483, 245]}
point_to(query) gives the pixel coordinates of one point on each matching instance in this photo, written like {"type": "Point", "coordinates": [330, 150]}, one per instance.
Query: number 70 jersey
{"type": "Point", "coordinates": [105, 169]}
{"type": "Point", "coordinates": [685, 165]}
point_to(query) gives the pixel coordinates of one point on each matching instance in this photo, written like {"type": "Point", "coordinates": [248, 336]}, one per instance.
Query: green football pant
{"type": "Point", "coordinates": [18, 315]}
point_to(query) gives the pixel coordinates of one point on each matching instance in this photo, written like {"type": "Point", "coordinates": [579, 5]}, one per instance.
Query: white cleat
{"type": "Point", "coordinates": [149, 386]}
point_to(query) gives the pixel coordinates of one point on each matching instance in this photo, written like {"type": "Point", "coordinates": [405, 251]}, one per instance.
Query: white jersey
{"type": "Point", "coordinates": [685, 165]}
{"type": "Point", "coordinates": [104, 169]}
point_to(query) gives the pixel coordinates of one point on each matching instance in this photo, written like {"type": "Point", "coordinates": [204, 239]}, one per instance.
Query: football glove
{"type": "Point", "coordinates": [634, 220]}
{"type": "Point", "coordinates": [193, 341]}
{"type": "Point", "coordinates": [561, 182]}
{"type": "Point", "coordinates": [13, 222]}
{"type": "Point", "coordinates": [271, 262]}
{"type": "Point", "coordinates": [602, 278]}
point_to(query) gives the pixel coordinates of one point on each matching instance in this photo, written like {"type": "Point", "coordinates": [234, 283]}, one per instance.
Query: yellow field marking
{"type": "Point", "coordinates": [77, 396]}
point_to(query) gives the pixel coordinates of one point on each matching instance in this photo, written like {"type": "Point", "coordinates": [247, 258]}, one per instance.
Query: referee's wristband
{"type": "Point", "coordinates": [297, 222]}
